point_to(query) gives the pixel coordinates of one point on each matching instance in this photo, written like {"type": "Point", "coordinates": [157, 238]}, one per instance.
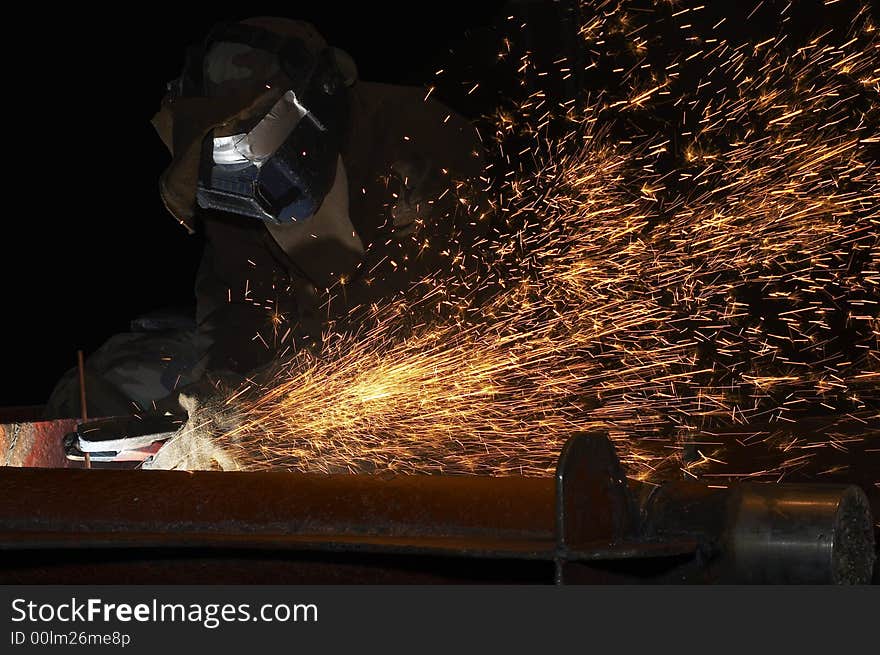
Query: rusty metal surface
{"type": "Point", "coordinates": [35, 444]}
{"type": "Point", "coordinates": [66, 525]}
{"type": "Point", "coordinates": [271, 527]}
{"type": "Point", "coordinates": [212, 502]}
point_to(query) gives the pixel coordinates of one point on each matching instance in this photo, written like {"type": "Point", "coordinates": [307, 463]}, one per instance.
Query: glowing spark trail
{"type": "Point", "coordinates": [696, 292]}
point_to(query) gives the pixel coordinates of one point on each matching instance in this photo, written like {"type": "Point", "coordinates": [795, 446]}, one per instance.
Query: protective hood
{"type": "Point", "coordinates": [184, 124]}
{"type": "Point", "coordinates": [228, 84]}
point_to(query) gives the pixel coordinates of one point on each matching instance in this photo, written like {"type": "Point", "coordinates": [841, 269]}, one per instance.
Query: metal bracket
{"type": "Point", "coordinates": [596, 516]}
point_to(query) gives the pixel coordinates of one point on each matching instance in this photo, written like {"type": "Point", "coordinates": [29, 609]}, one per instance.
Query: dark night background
{"type": "Point", "coordinates": [87, 244]}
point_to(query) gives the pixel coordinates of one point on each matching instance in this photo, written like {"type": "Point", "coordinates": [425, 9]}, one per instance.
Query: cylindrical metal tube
{"type": "Point", "coordinates": [750, 533]}
{"type": "Point", "coordinates": [782, 534]}
{"type": "Point", "coordinates": [763, 533]}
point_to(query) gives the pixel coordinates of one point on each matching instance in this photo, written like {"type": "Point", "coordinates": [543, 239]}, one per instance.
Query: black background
{"type": "Point", "coordinates": [86, 242]}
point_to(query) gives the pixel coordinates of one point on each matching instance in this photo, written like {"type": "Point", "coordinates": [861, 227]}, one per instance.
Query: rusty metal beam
{"type": "Point", "coordinates": [35, 444]}
{"type": "Point", "coordinates": [586, 525]}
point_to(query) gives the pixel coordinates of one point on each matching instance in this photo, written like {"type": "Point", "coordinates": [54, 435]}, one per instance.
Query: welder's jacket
{"type": "Point", "coordinates": [261, 291]}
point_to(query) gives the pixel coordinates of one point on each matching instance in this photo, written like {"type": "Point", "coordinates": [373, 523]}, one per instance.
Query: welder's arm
{"type": "Point", "coordinates": [422, 150]}
{"type": "Point", "coordinates": [437, 159]}
{"type": "Point", "coordinates": [436, 168]}
{"type": "Point", "coordinates": [237, 295]}
{"type": "Point", "coordinates": [241, 293]}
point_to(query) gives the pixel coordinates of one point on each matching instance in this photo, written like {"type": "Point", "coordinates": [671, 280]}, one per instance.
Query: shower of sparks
{"type": "Point", "coordinates": [694, 292]}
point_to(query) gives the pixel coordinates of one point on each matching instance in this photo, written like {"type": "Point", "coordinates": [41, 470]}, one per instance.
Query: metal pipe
{"type": "Point", "coordinates": [746, 533]}
{"type": "Point", "coordinates": [781, 534]}
{"type": "Point", "coordinates": [763, 533]}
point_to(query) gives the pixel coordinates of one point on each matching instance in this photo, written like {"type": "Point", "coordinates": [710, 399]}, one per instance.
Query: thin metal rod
{"type": "Point", "coordinates": [82, 397]}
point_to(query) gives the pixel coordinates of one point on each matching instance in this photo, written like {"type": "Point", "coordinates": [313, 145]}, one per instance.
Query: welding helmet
{"type": "Point", "coordinates": [257, 121]}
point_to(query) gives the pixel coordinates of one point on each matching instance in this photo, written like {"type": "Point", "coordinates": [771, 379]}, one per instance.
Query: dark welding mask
{"type": "Point", "coordinates": [279, 165]}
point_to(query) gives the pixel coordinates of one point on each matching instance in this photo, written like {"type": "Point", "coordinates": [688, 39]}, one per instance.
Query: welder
{"type": "Point", "coordinates": [317, 194]}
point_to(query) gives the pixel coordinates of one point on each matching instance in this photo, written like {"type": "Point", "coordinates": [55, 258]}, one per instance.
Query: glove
{"type": "Point", "coordinates": [193, 448]}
